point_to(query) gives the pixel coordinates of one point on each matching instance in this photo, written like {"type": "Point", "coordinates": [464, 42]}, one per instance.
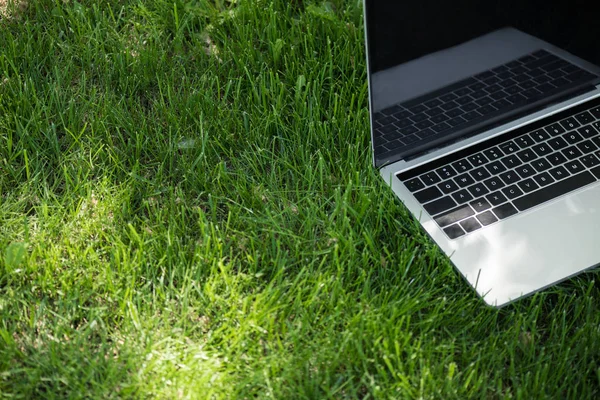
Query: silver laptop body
{"type": "Point", "coordinates": [507, 108]}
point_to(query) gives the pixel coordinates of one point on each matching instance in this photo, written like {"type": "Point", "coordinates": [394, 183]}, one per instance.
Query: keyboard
{"type": "Point", "coordinates": [509, 174]}
{"type": "Point", "coordinates": [473, 101]}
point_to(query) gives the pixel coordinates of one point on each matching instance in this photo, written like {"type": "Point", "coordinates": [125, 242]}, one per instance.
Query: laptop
{"type": "Point", "coordinates": [485, 122]}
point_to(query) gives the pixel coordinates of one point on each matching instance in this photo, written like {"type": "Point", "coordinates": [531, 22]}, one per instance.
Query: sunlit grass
{"type": "Point", "coordinates": [188, 210]}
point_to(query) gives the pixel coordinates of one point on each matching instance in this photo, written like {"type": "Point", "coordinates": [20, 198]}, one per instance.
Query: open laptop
{"type": "Point", "coordinates": [485, 122]}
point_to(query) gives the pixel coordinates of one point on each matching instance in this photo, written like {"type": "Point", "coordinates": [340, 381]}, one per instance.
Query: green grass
{"type": "Point", "coordinates": [188, 210]}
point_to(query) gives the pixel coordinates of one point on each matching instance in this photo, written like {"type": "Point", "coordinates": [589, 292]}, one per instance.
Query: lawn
{"type": "Point", "coordinates": [188, 210]}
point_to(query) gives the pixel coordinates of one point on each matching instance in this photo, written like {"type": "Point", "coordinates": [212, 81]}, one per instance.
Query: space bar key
{"type": "Point", "coordinates": [556, 189]}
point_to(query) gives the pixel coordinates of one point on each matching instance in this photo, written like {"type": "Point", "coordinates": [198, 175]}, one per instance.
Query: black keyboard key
{"type": "Point", "coordinates": [478, 189]}
{"type": "Point", "coordinates": [499, 96]}
{"type": "Point", "coordinates": [441, 127]}
{"type": "Point", "coordinates": [454, 231]}
{"type": "Point", "coordinates": [440, 205]}
{"type": "Point", "coordinates": [462, 196]}
{"type": "Point", "coordinates": [542, 149]}
{"type": "Point", "coordinates": [512, 191]}
{"type": "Point", "coordinates": [446, 172]}
{"type": "Point", "coordinates": [541, 165]}
{"type": "Point", "coordinates": [424, 124]}
{"type": "Point", "coordinates": [487, 218]}
{"type": "Point", "coordinates": [492, 88]}
{"type": "Point", "coordinates": [559, 173]}
{"type": "Point", "coordinates": [464, 180]}
{"type": "Point", "coordinates": [477, 86]}
{"type": "Point", "coordinates": [574, 166]}
{"type": "Point", "coordinates": [379, 141]}
{"type": "Point", "coordinates": [500, 104]}
{"type": "Point", "coordinates": [557, 143]}
{"type": "Point", "coordinates": [525, 171]}
{"type": "Point", "coordinates": [556, 158]}
{"type": "Point", "coordinates": [462, 166]}
{"type": "Point", "coordinates": [493, 153]}
{"type": "Point", "coordinates": [438, 119]}
{"type": "Point", "coordinates": [506, 83]}
{"type": "Point", "coordinates": [456, 121]}
{"type": "Point", "coordinates": [426, 195]}
{"type": "Point", "coordinates": [509, 177]}
{"type": "Point", "coordinates": [480, 205]}
{"type": "Point", "coordinates": [393, 144]}
{"type": "Point", "coordinates": [511, 161]}
{"type": "Point", "coordinates": [572, 137]}
{"type": "Point", "coordinates": [432, 112]}
{"type": "Point", "coordinates": [409, 130]}
{"type": "Point", "coordinates": [548, 193]}
{"type": "Point", "coordinates": [572, 152]}
{"type": "Point", "coordinates": [584, 118]}
{"type": "Point", "coordinates": [471, 115]}
{"type": "Point", "coordinates": [543, 179]}
{"type": "Point", "coordinates": [546, 87]}
{"type": "Point", "coordinates": [528, 84]}
{"type": "Point", "coordinates": [509, 147]}
{"type": "Point", "coordinates": [542, 79]}
{"type": "Point", "coordinates": [477, 159]}
{"type": "Point", "coordinates": [484, 101]}
{"type": "Point", "coordinates": [418, 117]}
{"type": "Point", "coordinates": [596, 172]}
{"type": "Point", "coordinates": [430, 178]}
{"type": "Point", "coordinates": [464, 100]}
{"type": "Point", "coordinates": [414, 184]}
{"type": "Point", "coordinates": [494, 183]}
{"type": "Point", "coordinates": [454, 215]}
{"type": "Point", "coordinates": [485, 110]}
{"type": "Point", "coordinates": [595, 111]}
{"type": "Point", "coordinates": [455, 113]}
{"type": "Point", "coordinates": [448, 187]}
{"type": "Point", "coordinates": [425, 133]}
{"type": "Point", "coordinates": [480, 174]}
{"type": "Point", "coordinates": [402, 114]}
{"type": "Point", "coordinates": [589, 160]}
{"type": "Point", "coordinates": [587, 131]}
{"type": "Point", "coordinates": [433, 103]}
{"type": "Point", "coordinates": [587, 146]}
{"type": "Point", "coordinates": [449, 106]}
{"type": "Point", "coordinates": [517, 99]}
{"type": "Point", "coordinates": [504, 211]}
{"type": "Point", "coordinates": [513, 89]}
{"type": "Point", "coordinates": [469, 107]}
{"type": "Point", "coordinates": [495, 167]}
{"type": "Point", "coordinates": [528, 185]}
{"type": "Point", "coordinates": [448, 97]}
{"type": "Point", "coordinates": [555, 129]}
{"type": "Point", "coordinates": [496, 198]}
{"type": "Point", "coordinates": [570, 123]}
{"type": "Point", "coordinates": [524, 141]}
{"type": "Point", "coordinates": [462, 92]}
{"type": "Point", "coordinates": [540, 135]}
{"type": "Point", "coordinates": [387, 129]}
{"type": "Point", "coordinates": [470, 225]}
{"type": "Point", "coordinates": [386, 120]}
{"type": "Point", "coordinates": [418, 109]}
{"type": "Point", "coordinates": [526, 155]}
{"type": "Point", "coordinates": [531, 93]}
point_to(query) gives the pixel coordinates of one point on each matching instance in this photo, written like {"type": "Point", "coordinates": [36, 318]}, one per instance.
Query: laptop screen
{"type": "Point", "coordinates": [402, 31]}
{"type": "Point", "coordinates": [443, 70]}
